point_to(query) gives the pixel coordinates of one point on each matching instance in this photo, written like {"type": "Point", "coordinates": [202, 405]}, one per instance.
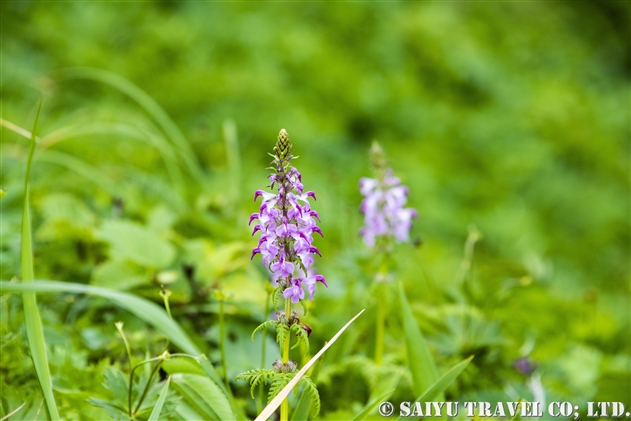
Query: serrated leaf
{"type": "Point", "coordinates": [113, 411]}
{"type": "Point", "coordinates": [131, 241]}
{"type": "Point", "coordinates": [282, 333]}
{"type": "Point", "coordinates": [203, 395]}
{"type": "Point", "coordinates": [301, 336]}
{"type": "Point", "coordinates": [116, 383]}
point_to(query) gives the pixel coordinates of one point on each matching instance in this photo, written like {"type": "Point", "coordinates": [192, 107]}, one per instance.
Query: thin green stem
{"type": "Point", "coordinates": [165, 294]}
{"type": "Point", "coordinates": [381, 310]}
{"type": "Point", "coordinates": [144, 393]}
{"type": "Point", "coordinates": [284, 406]}
{"type": "Point", "coordinates": [119, 326]}
{"type": "Point", "coordinates": [380, 331]}
{"type": "Point", "coordinates": [131, 378]}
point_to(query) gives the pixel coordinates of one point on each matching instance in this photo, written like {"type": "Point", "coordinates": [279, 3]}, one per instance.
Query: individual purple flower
{"type": "Point", "coordinates": [287, 223]}
{"type": "Point", "coordinates": [383, 204]}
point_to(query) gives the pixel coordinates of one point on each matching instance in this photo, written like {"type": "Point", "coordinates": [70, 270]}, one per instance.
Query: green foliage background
{"type": "Point", "coordinates": [512, 117]}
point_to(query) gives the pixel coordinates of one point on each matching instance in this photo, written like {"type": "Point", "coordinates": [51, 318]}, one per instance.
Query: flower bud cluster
{"type": "Point", "coordinates": [288, 367]}
{"type": "Point", "coordinates": [384, 198]}
{"type": "Point", "coordinates": [287, 223]}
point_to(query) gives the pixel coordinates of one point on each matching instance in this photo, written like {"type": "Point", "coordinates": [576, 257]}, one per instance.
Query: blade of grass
{"type": "Point", "coordinates": [93, 174]}
{"type": "Point", "coordinates": [372, 405]}
{"type": "Point", "coordinates": [17, 129]}
{"type": "Point", "coordinates": [143, 309]}
{"type": "Point", "coordinates": [145, 101]}
{"type": "Point", "coordinates": [166, 150]}
{"type": "Point", "coordinates": [15, 411]}
{"type": "Point", "coordinates": [155, 413]}
{"type": "Point", "coordinates": [275, 403]}
{"type": "Point", "coordinates": [438, 388]}
{"type": "Point", "coordinates": [32, 320]}
{"type": "Point", "coordinates": [420, 360]}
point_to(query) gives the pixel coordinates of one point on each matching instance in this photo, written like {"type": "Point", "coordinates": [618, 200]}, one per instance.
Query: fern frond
{"type": "Point", "coordinates": [282, 334]}
{"type": "Point", "coordinates": [301, 335]}
{"type": "Point", "coordinates": [312, 391]}
{"type": "Point", "coordinates": [256, 377]}
{"type": "Point", "coordinates": [279, 381]}
{"type": "Point", "coordinates": [262, 326]}
{"type": "Point", "coordinates": [275, 298]}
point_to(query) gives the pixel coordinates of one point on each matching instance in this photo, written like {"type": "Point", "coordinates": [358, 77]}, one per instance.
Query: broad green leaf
{"type": "Point", "coordinates": [187, 412]}
{"type": "Point", "coordinates": [65, 207]}
{"type": "Point", "coordinates": [119, 275]}
{"type": "Point", "coordinates": [438, 388]}
{"type": "Point", "coordinates": [131, 241]}
{"type": "Point", "coordinates": [204, 396]}
{"type": "Point", "coordinates": [155, 414]}
{"type": "Point", "coordinates": [32, 320]}
{"type": "Point", "coordinates": [420, 360]}
{"type": "Point", "coordinates": [143, 309]}
{"type": "Point", "coordinates": [182, 365]}
{"type": "Point", "coordinates": [212, 374]}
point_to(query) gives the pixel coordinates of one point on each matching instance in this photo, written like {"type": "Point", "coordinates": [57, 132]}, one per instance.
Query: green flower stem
{"type": "Point", "coordinates": [165, 294]}
{"type": "Point", "coordinates": [284, 407]}
{"type": "Point", "coordinates": [144, 392]}
{"type": "Point", "coordinates": [119, 326]}
{"type": "Point", "coordinates": [381, 310]}
{"type": "Point", "coordinates": [131, 377]}
{"type": "Point", "coordinates": [380, 330]}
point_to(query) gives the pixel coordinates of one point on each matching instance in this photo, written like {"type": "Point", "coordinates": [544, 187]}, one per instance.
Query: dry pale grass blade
{"type": "Point", "coordinates": [15, 411]}
{"type": "Point", "coordinates": [17, 129]}
{"type": "Point", "coordinates": [275, 403]}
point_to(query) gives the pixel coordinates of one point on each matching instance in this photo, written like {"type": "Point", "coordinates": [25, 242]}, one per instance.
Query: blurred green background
{"type": "Point", "coordinates": [511, 118]}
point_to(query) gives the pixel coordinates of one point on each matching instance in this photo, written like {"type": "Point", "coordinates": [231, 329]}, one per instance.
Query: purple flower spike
{"type": "Point", "coordinates": [287, 224]}
{"type": "Point", "coordinates": [384, 198]}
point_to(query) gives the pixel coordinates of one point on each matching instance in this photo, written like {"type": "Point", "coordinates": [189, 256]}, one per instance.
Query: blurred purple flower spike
{"type": "Point", "coordinates": [383, 204]}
